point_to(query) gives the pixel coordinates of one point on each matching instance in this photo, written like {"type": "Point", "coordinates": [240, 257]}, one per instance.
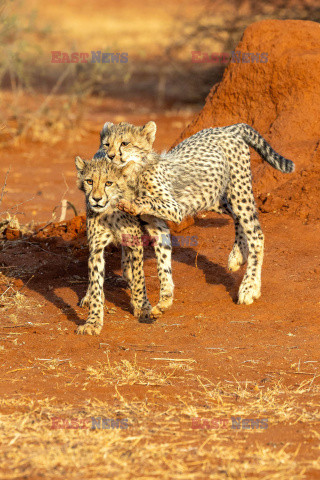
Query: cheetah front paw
{"type": "Point", "coordinates": [128, 207]}
{"type": "Point", "coordinates": [138, 311]}
{"type": "Point", "coordinates": [161, 307]}
{"type": "Point", "coordinates": [90, 328]}
{"type": "Point", "coordinates": [248, 292]}
{"type": "Point", "coordinates": [145, 316]}
{"type": "Point", "coordinates": [143, 313]}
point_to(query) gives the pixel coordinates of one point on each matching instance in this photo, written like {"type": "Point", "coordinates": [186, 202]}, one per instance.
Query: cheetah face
{"type": "Point", "coordinates": [98, 182]}
{"type": "Point", "coordinates": [123, 143]}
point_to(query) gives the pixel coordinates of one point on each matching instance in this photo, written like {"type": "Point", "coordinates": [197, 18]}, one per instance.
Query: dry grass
{"type": "Point", "coordinates": [50, 125]}
{"type": "Point", "coordinates": [160, 441]}
{"type": "Point", "coordinates": [156, 444]}
{"type": "Point", "coordinates": [9, 222]}
{"type": "Point", "coordinates": [10, 296]}
{"type": "Point", "coordinates": [13, 301]}
{"type": "Point", "coordinates": [128, 373]}
{"type": "Point", "coordinates": [52, 118]}
{"type": "Point", "coordinates": [12, 222]}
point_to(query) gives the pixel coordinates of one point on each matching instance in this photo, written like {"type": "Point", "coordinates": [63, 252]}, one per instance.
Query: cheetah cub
{"type": "Point", "coordinates": [105, 225]}
{"type": "Point", "coordinates": [123, 142]}
{"type": "Point", "coordinates": [210, 171]}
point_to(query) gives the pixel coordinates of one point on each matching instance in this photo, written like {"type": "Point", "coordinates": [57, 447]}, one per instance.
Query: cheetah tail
{"type": "Point", "coordinates": [256, 141]}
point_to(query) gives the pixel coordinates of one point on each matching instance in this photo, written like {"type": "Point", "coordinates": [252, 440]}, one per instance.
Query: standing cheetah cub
{"type": "Point", "coordinates": [210, 171]}
{"type": "Point", "coordinates": [106, 224]}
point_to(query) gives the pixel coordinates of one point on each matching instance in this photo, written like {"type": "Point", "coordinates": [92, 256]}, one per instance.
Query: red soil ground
{"type": "Point", "coordinates": [260, 343]}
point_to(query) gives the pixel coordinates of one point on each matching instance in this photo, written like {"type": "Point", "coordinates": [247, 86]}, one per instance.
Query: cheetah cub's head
{"type": "Point", "coordinates": [125, 142]}
{"type": "Point", "coordinates": [98, 180]}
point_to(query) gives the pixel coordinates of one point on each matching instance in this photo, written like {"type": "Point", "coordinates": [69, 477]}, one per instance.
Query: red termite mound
{"type": "Point", "coordinates": [281, 100]}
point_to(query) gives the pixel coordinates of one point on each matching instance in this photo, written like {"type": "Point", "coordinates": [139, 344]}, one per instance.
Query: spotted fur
{"type": "Point", "coordinates": [105, 225]}
{"type": "Point", "coordinates": [125, 142]}
{"type": "Point", "coordinates": [210, 171]}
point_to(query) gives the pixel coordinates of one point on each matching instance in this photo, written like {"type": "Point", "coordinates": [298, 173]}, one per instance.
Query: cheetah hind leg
{"type": "Point", "coordinates": [250, 230]}
{"type": "Point", "coordinates": [239, 253]}
{"type": "Point", "coordinates": [238, 256]}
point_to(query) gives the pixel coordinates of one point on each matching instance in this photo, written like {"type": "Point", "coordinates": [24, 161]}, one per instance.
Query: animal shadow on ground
{"type": "Point", "coordinates": [215, 274]}
{"type": "Point", "coordinates": [49, 271]}
{"type": "Point", "coordinates": [47, 268]}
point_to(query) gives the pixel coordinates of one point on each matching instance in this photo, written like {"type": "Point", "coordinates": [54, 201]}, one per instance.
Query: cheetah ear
{"type": "Point", "coordinates": [149, 131]}
{"type": "Point", "coordinates": [105, 129]}
{"type": "Point", "coordinates": [80, 164]}
{"type": "Point", "coordinates": [129, 168]}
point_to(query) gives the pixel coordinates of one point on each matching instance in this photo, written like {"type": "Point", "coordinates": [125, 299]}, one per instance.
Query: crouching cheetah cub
{"type": "Point", "coordinates": [106, 224]}
{"type": "Point", "coordinates": [210, 171]}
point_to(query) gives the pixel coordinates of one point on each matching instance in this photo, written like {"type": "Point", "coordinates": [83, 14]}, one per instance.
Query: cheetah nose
{"type": "Point", "coordinates": [111, 155]}
{"type": "Point", "coordinates": [97, 199]}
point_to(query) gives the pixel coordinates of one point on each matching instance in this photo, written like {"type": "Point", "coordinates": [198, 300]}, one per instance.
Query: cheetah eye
{"type": "Point", "coordinates": [124, 144]}
{"type": "Point", "coordinates": [108, 184]}
{"type": "Point", "coordinates": [89, 181]}
{"type": "Point", "coordinates": [106, 145]}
